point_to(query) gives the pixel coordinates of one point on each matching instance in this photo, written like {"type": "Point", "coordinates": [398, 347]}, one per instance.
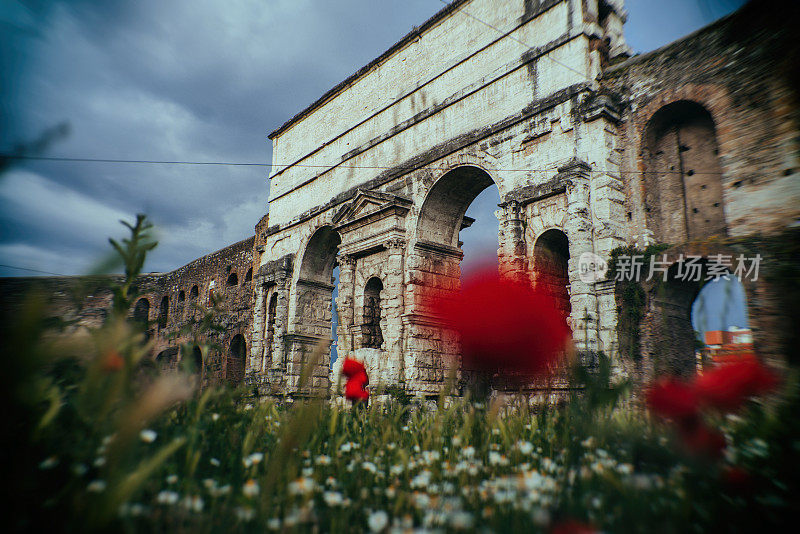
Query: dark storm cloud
{"type": "Point", "coordinates": [198, 80]}
{"type": "Point", "coordinates": [189, 81]}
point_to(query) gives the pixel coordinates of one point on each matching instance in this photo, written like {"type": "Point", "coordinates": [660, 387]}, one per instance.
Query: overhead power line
{"type": "Point", "coordinates": [321, 166]}
{"type": "Point", "coordinates": [106, 160]}
{"type": "Point", "coordinates": [31, 270]}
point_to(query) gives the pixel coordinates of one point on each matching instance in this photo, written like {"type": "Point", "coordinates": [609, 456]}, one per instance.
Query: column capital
{"type": "Point", "coordinates": [575, 168]}
{"type": "Point", "coordinates": [347, 261]}
{"type": "Point", "coordinates": [396, 243]}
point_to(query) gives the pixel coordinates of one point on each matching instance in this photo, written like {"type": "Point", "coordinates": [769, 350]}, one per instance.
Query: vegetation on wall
{"type": "Point", "coordinates": [631, 299]}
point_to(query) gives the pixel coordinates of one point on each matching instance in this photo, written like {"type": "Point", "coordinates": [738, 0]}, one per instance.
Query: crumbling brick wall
{"type": "Point", "coordinates": [710, 154]}
{"type": "Point", "coordinates": [76, 302]}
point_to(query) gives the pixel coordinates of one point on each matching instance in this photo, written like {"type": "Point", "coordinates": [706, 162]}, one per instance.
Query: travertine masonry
{"type": "Point", "coordinates": [694, 145]}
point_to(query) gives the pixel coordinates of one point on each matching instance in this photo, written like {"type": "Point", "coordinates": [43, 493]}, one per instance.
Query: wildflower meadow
{"type": "Point", "coordinates": [95, 442]}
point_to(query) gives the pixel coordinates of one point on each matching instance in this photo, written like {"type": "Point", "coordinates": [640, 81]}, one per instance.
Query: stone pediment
{"type": "Point", "coordinates": [368, 203]}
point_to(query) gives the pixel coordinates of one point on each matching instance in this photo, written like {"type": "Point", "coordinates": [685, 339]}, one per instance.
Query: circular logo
{"type": "Point", "coordinates": [591, 267]}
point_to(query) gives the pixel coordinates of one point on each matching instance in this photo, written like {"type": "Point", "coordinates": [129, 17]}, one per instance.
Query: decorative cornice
{"type": "Point", "coordinates": [387, 205]}
{"type": "Point", "coordinates": [597, 105]}
{"type": "Point", "coordinates": [276, 269]}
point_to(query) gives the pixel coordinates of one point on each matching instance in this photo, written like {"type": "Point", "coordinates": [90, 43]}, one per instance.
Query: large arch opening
{"type": "Point", "coordinates": [720, 321]}
{"type": "Point", "coordinates": [694, 317]}
{"type": "Point", "coordinates": [443, 223]}
{"type": "Point", "coordinates": [683, 178]}
{"type": "Point", "coordinates": [444, 235]}
{"type": "Point", "coordinates": [234, 365]}
{"type": "Point", "coordinates": [443, 213]}
{"type": "Point", "coordinates": [316, 286]}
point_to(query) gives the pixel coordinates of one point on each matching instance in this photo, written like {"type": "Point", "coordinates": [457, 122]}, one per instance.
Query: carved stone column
{"type": "Point", "coordinates": [393, 304]}
{"type": "Point", "coordinates": [272, 276]}
{"type": "Point", "coordinates": [345, 306]}
{"type": "Point", "coordinates": [511, 260]}
{"type": "Point", "coordinates": [580, 232]}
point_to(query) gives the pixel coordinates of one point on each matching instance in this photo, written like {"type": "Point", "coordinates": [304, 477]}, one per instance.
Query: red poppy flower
{"type": "Point", "coordinates": [672, 399]}
{"type": "Point", "coordinates": [112, 361]}
{"type": "Point", "coordinates": [351, 367]}
{"type": "Point", "coordinates": [572, 527]}
{"type": "Point", "coordinates": [737, 479]}
{"type": "Point", "coordinates": [701, 440]}
{"type": "Point", "coordinates": [357, 380]}
{"type": "Point", "coordinates": [727, 387]}
{"type": "Point", "coordinates": [505, 327]}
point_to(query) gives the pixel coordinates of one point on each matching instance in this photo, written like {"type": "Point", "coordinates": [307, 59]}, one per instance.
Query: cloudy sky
{"type": "Point", "coordinates": [189, 80]}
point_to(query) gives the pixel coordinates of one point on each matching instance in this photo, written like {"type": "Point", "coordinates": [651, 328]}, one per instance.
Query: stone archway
{"type": "Point", "coordinates": [435, 261]}
{"type": "Point", "coordinates": [671, 346]}
{"type": "Point", "coordinates": [441, 218]}
{"type": "Point", "coordinates": [312, 319]}
{"type": "Point", "coordinates": [669, 343]}
{"type": "Point", "coordinates": [682, 174]}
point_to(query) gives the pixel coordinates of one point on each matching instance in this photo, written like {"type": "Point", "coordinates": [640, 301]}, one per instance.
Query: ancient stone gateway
{"type": "Point", "coordinates": [376, 176]}
{"type": "Point", "coordinates": [695, 145]}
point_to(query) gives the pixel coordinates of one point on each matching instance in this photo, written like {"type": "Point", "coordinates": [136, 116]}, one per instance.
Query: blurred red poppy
{"type": "Point", "coordinates": [701, 440]}
{"type": "Point", "coordinates": [672, 399]}
{"type": "Point", "coordinates": [505, 327]}
{"type": "Point", "coordinates": [357, 380]}
{"type": "Point", "coordinates": [571, 526]}
{"type": "Point", "coordinates": [737, 479]}
{"type": "Point", "coordinates": [351, 367]}
{"type": "Point", "coordinates": [112, 361]}
{"type": "Point", "coordinates": [727, 387]}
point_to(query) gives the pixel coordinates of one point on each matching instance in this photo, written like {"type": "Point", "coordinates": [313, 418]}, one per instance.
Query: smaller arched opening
{"type": "Point", "coordinates": [141, 317]}
{"type": "Point", "coordinates": [232, 280]}
{"type": "Point", "coordinates": [167, 358]}
{"type": "Point", "coordinates": [272, 312]}
{"type": "Point", "coordinates": [371, 324]}
{"type": "Point", "coordinates": [141, 312]}
{"type": "Point", "coordinates": [551, 267]}
{"type": "Point", "coordinates": [163, 313]}
{"type": "Point", "coordinates": [194, 293]}
{"type": "Point", "coordinates": [234, 366]}
{"type": "Point", "coordinates": [691, 314]}
{"type": "Point", "coordinates": [181, 297]}
{"type": "Point", "coordinates": [196, 360]}
{"type": "Point", "coordinates": [248, 277]}
{"type": "Point", "coordinates": [683, 178]}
